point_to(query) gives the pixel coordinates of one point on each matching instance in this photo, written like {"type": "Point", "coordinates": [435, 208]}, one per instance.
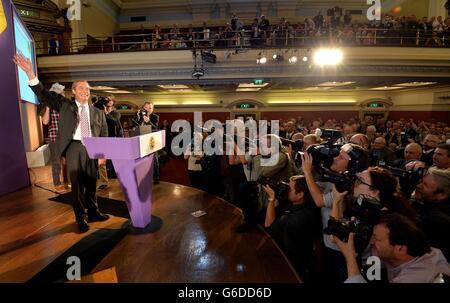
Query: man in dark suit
{"type": "Point", "coordinates": [78, 119]}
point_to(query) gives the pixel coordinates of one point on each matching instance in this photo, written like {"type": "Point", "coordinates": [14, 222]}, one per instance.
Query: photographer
{"type": "Point", "coordinates": [297, 227]}
{"type": "Point", "coordinates": [403, 248]}
{"type": "Point", "coordinates": [114, 130]}
{"type": "Point", "coordinates": [145, 116]}
{"type": "Point", "coordinates": [322, 195]}
{"type": "Point", "coordinates": [432, 201]}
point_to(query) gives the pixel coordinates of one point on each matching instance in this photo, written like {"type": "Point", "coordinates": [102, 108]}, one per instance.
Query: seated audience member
{"type": "Point", "coordinates": [380, 153]}
{"type": "Point", "coordinates": [432, 201]}
{"type": "Point", "coordinates": [371, 133]}
{"type": "Point", "coordinates": [412, 152]}
{"type": "Point", "coordinates": [429, 144]}
{"type": "Point", "coordinates": [403, 249]}
{"type": "Point", "coordinates": [297, 226]}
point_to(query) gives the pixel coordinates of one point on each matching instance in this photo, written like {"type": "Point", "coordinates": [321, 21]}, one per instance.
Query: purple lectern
{"type": "Point", "coordinates": [133, 162]}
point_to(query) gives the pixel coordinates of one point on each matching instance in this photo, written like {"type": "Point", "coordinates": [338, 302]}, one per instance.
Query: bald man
{"type": "Point", "coordinates": [361, 140]}
{"type": "Point", "coordinates": [413, 151]}
{"type": "Point", "coordinates": [380, 154]}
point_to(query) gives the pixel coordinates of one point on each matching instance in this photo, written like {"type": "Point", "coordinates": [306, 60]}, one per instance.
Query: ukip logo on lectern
{"type": "Point", "coordinates": [3, 22]}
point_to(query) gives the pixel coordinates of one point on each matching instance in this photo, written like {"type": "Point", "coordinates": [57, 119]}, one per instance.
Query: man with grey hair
{"type": "Point", "coordinates": [380, 153]}
{"type": "Point", "coordinates": [432, 201]}
{"type": "Point", "coordinates": [361, 140]}
{"type": "Point", "coordinates": [371, 133]}
{"type": "Point", "coordinates": [79, 120]}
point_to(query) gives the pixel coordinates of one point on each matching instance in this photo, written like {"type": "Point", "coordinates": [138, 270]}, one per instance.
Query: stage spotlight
{"type": "Point", "coordinates": [305, 59]}
{"type": "Point", "coordinates": [328, 56]}
{"type": "Point", "coordinates": [293, 59]}
{"type": "Point", "coordinates": [274, 57]}
{"type": "Point", "coordinates": [261, 59]}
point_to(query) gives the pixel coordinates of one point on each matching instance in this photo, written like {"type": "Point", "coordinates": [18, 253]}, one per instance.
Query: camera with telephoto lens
{"type": "Point", "coordinates": [297, 145]}
{"type": "Point", "coordinates": [367, 210]}
{"type": "Point", "coordinates": [280, 188]}
{"type": "Point", "coordinates": [342, 229]}
{"type": "Point", "coordinates": [343, 182]}
{"type": "Point", "coordinates": [408, 179]}
{"type": "Point", "coordinates": [100, 102]}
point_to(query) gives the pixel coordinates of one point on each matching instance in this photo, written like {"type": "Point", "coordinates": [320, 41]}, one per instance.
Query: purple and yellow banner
{"type": "Point", "coordinates": [3, 22]}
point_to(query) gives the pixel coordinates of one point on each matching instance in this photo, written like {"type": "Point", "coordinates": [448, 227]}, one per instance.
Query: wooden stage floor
{"type": "Point", "coordinates": [35, 231]}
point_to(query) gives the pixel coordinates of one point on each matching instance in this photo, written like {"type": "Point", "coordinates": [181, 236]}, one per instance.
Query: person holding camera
{"type": "Point", "coordinates": [432, 201]}
{"type": "Point", "coordinates": [351, 157]}
{"type": "Point", "coordinates": [403, 248]}
{"type": "Point", "coordinates": [297, 226]}
{"type": "Point", "coordinates": [114, 130]}
{"type": "Point", "coordinates": [146, 116]}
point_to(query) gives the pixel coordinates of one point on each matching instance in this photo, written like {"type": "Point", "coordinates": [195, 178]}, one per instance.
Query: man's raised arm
{"type": "Point", "coordinates": [50, 99]}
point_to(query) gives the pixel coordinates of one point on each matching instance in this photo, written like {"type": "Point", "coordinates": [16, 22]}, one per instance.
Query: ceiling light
{"type": "Point", "coordinates": [328, 56]}
{"type": "Point", "coordinates": [182, 90]}
{"type": "Point", "coordinates": [414, 84]}
{"type": "Point", "coordinates": [118, 92]}
{"type": "Point", "coordinates": [252, 85]}
{"type": "Point", "coordinates": [318, 88]}
{"type": "Point", "coordinates": [386, 88]}
{"type": "Point", "coordinates": [293, 59]}
{"type": "Point", "coordinates": [310, 101]}
{"type": "Point", "coordinates": [197, 102]}
{"type": "Point", "coordinates": [173, 86]}
{"type": "Point", "coordinates": [248, 89]}
{"type": "Point", "coordinates": [334, 83]}
{"type": "Point", "coordinates": [100, 87]}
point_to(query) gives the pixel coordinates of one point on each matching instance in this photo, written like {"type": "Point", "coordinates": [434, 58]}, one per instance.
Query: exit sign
{"type": "Point", "coordinates": [258, 82]}
{"type": "Point", "coordinates": [375, 105]}
{"type": "Point", "coordinates": [28, 13]}
{"type": "Point", "coordinates": [245, 105]}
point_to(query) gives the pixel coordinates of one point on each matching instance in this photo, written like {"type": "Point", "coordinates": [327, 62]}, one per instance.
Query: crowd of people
{"type": "Point", "coordinates": [337, 195]}
{"type": "Point", "coordinates": [334, 27]}
{"type": "Point", "coordinates": [392, 176]}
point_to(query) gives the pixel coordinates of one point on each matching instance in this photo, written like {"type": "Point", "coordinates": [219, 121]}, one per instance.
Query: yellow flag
{"type": "Point", "coordinates": [2, 18]}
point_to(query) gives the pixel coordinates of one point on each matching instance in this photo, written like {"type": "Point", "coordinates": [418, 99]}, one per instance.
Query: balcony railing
{"type": "Point", "coordinates": [249, 39]}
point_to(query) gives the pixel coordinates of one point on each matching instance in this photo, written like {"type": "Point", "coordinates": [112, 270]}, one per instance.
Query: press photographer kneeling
{"type": "Point", "coordinates": [347, 161]}
{"type": "Point", "coordinates": [296, 226]}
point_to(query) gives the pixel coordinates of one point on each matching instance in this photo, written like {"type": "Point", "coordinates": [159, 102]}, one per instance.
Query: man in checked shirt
{"type": "Point", "coordinates": [51, 118]}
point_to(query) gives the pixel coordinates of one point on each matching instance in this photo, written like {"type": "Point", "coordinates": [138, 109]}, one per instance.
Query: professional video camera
{"type": "Point", "coordinates": [343, 182]}
{"type": "Point", "coordinates": [367, 210]}
{"type": "Point", "coordinates": [329, 135]}
{"type": "Point", "coordinates": [408, 179]}
{"type": "Point", "coordinates": [297, 145]}
{"type": "Point", "coordinates": [100, 102]}
{"type": "Point", "coordinates": [280, 188]}
{"type": "Point", "coordinates": [342, 228]}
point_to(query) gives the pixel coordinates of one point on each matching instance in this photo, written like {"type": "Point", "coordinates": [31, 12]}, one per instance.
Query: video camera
{"type": "Point", "coordinates": [280, 188]}
{"type": "Point", "coordinates": [408, 179]}
{"type": "Point", "coordinates": [342, 229]}
{"type": "Point", "coordinates": [297, 145]}
{"type": "Point", "coordinates": [100, 102]}
{"type": "Point", "coordinates": [367, 210]}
